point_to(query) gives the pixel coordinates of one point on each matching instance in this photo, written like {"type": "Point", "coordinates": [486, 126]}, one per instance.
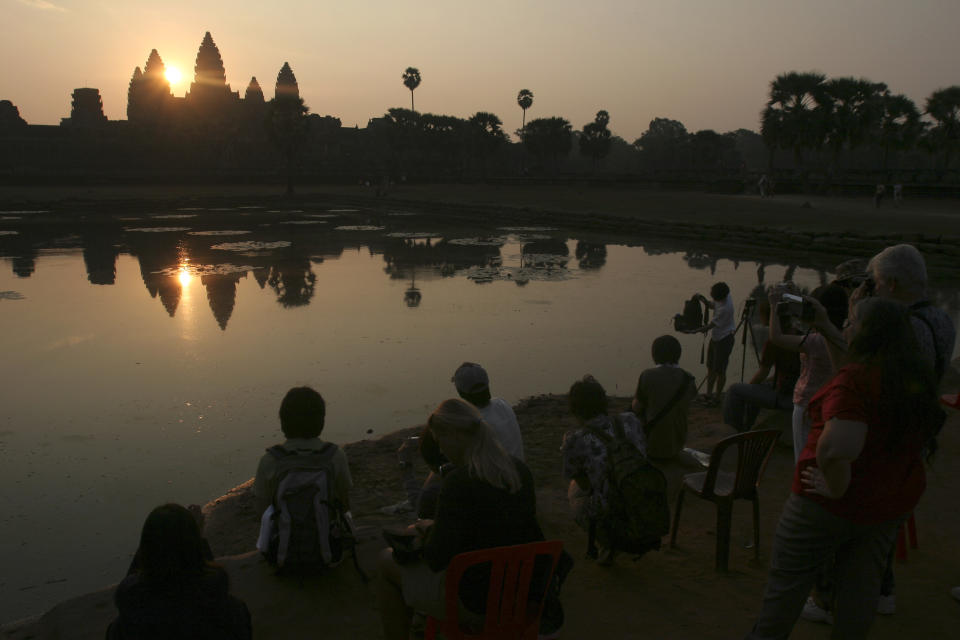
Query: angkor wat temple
{"type": "Point", "coordinates": [211, 132]}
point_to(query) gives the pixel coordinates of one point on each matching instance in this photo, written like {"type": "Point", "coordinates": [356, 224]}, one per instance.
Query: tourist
{"type": "Point", "coordinates": [860, 472]}
{"type": "Point", "coordinates": [743, 401]}
{"type": "Point", "coordinates": [302, 414]}
{"type": "Point", "coordinates": [173, 590]}
{"type": "Point", "coordinates": [585, 458]}
{"type": "Point", "coordinates": [662, 399]}
{"type": "Point", "coordinates": [816, 365]}
{"type": "Point", "coordinates": [724, 327]}
{"type": "Point", "coordinates": [473, 385]}
{"type": "Point", "coordinates": [487, 500]}
{"type": "Point", "coordinates": [899, 273]}
{"type": "Point", "coordinates": [422, 498]}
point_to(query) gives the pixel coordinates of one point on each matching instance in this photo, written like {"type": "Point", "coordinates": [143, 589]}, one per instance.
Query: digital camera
{"type": "Point", "coordinates": [796, 307]}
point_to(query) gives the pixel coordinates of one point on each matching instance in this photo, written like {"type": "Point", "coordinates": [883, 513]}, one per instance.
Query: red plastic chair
{"type": "Point", "coordinates": [722, 488]}
{"type": "Point", "coordinates": [509, 613]}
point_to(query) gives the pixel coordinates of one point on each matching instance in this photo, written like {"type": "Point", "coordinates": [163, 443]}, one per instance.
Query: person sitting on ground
{"type": "Point", "coordinates": [662, 399]}
{"type": "Point", "coordinates": [302, 414]}
{"type": "Point", "coordinates": [422, 498]}
{"type": "Point", "coordinates": [724, 325]}
{"type": "Point", "coordinates": [585, 457]}
{"type": "Point", "coordinates": [473, 385]}
{"type": "Point", "coordinates": [816, 365]}
{"type": "Point", "coordinates": [173, 589]}
{"type": "Point", "coordinates": [487, 500]}
{"type": "Point", "coordinates": [743, 401]}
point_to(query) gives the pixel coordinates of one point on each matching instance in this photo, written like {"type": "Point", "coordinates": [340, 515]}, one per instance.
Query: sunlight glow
{"type": "Point", "coordinates": [184, 275]}
{"type": "Point", "coordinates": [173, 75]}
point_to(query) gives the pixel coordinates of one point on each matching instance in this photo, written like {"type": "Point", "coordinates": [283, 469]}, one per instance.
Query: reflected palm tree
{"type": "Point", "coordinates": [591, 255]}
{"type": "Point", "coordinates": [412, 295]}
{"type": "Point", "coordinates": [293, 280]}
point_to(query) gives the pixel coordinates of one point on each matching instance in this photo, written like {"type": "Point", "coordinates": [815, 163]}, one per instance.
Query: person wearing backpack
{"type": "Point", "coordinates": [303, 465]}
{"type": "Point", "coordinates": [585, 460]}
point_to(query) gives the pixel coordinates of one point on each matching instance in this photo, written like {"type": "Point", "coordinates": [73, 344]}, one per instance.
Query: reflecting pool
{"type": "Point", "coordinates": [145, 353]}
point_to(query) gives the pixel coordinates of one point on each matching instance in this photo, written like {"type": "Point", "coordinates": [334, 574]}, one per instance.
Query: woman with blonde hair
{"type": "Point", "coordinates": [487, 500]}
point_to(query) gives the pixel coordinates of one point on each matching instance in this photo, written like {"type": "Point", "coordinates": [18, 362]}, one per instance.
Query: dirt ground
{"type": "Point", "coordinates": [673, 593]}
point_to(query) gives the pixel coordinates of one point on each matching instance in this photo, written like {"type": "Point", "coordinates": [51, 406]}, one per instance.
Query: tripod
{"type": "Point", "coordinates": [747, 327]}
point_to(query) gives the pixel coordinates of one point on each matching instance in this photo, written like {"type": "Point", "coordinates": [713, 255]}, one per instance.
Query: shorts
{"type": "Point", "coordinates": [718, 354]}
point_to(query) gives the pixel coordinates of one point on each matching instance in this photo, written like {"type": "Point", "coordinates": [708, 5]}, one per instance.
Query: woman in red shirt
{"type": "Point", "coordinates": [860, 472]}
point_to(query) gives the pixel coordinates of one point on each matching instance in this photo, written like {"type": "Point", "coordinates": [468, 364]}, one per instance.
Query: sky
{"type": "Point", "coordinates": [706, 63]}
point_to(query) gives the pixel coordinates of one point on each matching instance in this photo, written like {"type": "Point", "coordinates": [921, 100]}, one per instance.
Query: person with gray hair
{"type": "Point", "coordinates": [900, 273]}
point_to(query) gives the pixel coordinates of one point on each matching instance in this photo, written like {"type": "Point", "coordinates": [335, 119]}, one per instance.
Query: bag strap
{"type": "Point", "coordinates": [938, 365]}
{"type": "Point", "coordinates": [672, 403]}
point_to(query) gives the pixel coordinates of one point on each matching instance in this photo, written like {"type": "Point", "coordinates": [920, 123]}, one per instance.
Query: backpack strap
{"type": "Point", "coordinates": [671, 404]}
{"type": "Point", "coordinates": [938, 366]}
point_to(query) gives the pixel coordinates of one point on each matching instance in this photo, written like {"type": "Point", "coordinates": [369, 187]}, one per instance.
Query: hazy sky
{"type": "Point", "coordinates": [707, 63]}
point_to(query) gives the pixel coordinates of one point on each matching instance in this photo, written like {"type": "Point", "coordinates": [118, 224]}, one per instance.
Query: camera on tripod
{"type": "Point", "coordinates": [796, 307]}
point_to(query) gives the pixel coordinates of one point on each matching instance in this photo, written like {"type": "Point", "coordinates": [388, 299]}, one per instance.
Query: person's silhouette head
{"type": "Point", "coordinates": [302, 413]}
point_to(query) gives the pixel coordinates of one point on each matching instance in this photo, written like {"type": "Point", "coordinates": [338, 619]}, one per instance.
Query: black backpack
{"type": "Point", "coordinates": [310, 530]}
{"type": "Point", "coordinates": [692, 317]}
{"type": "Point", "coordinates": [638, 515]}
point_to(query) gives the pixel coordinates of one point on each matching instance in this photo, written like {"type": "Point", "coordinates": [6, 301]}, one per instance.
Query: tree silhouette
{"type": "Point", "coordinates": [854, 111]}
{"type": "Point", "coordinates": [795, 115]}
{"type": "Point", "coordinates": [943, 106]}
{"type": "Point", "coordinates": [287, 120]}
{"type": "Point", "coordinates": [899, 126]}
{"type": "Point", "coordinates": [486, 136]}
{"type": "Point", "coordinates": [595, 140]}
{"type": "Point", "coordinates": [664, 144]}
{"type": "Point", "coordinates": [411, 80]}
{"type": "Point", "coordinates": [548, 138]}
{"type": "Point", "coordinates": [525, 100]}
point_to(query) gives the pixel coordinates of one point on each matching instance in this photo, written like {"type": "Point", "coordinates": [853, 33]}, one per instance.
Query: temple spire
{"type": "Point", "coordinates": [254, 92]}
{"type": "Point", "coordinates": [209, 69]}
{"type": "Point", "coordinates": [286, 83]}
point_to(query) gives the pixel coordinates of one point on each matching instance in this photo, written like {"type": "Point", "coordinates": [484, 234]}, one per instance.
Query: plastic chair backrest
{"type": "Point", "coordinates": [511, 572]}
{"type": "Point", "coordinates": [753, 451]}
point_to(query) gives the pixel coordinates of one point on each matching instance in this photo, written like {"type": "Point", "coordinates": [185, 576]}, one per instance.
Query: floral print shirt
{"type": "Point", "coordinates": [584, 454]}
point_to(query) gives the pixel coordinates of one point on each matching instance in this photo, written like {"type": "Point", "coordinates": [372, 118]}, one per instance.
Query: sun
{"type": "Point", "coordinates": [173, 75]}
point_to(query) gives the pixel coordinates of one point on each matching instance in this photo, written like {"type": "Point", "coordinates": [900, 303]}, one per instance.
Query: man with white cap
{"type": "Point", "coordinates": [473, 385]}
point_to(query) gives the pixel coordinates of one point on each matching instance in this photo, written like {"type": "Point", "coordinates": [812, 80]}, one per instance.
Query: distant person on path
{"type": "Point", "coordinates": [878, 195]}
{"type": "Point", "coordinates": [724, 325]}
{"type": "Point", "coordinates": [302, 415]}
{"type": "Point", "coordinates": [762, 185]}
{"type": "Point", "coordinates": [897, 194]}
{"type": "Point", "coordinates": [473, 385]}
{"type": "Point", "coordinates": [173, 589]}
{"type": "Point", "coordinates": [860, 472]}
{"type": "Point", "coordinates": [585, 456]}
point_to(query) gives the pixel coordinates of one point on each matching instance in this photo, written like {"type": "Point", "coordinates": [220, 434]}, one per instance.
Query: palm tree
{"type": "Point", "coordinates": [411, 80]}
{"type": "Point", "coordinates": [595, 138]}
{"type": "Point", "coordinates": [854, 112]}
{"type": "Point", "coordinates": [525, 100]}
{"type": "Point", "coordinates": [795, 115]}
{"type": "Point", "coordinates": [899, 127]}
{"type": "Point", "coordinates": [943, 106]}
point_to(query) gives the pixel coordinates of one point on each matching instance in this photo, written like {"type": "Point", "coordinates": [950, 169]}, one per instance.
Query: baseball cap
{"type": "Point", "coordinates": [470, 378]}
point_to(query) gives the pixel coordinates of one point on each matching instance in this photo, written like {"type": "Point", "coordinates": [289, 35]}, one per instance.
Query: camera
{"type": "Point", "coordinates": [796, 307]}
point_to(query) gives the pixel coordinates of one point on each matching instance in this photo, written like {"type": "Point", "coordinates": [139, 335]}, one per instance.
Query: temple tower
{"type": "Point", "coordinates": [210, 97]}
{"type": "Point", "coordinates": [149, 97]}
{"type": "Point", "coordinates": [286, 83]}
{"type": "Point", "coordinates": [86, 108]}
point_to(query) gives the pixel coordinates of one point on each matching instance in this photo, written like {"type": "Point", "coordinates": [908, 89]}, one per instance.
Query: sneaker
{"type": "Point", "coordinates": [887, 605]}
{"type": "Point", "coordinates": [815, 613]}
